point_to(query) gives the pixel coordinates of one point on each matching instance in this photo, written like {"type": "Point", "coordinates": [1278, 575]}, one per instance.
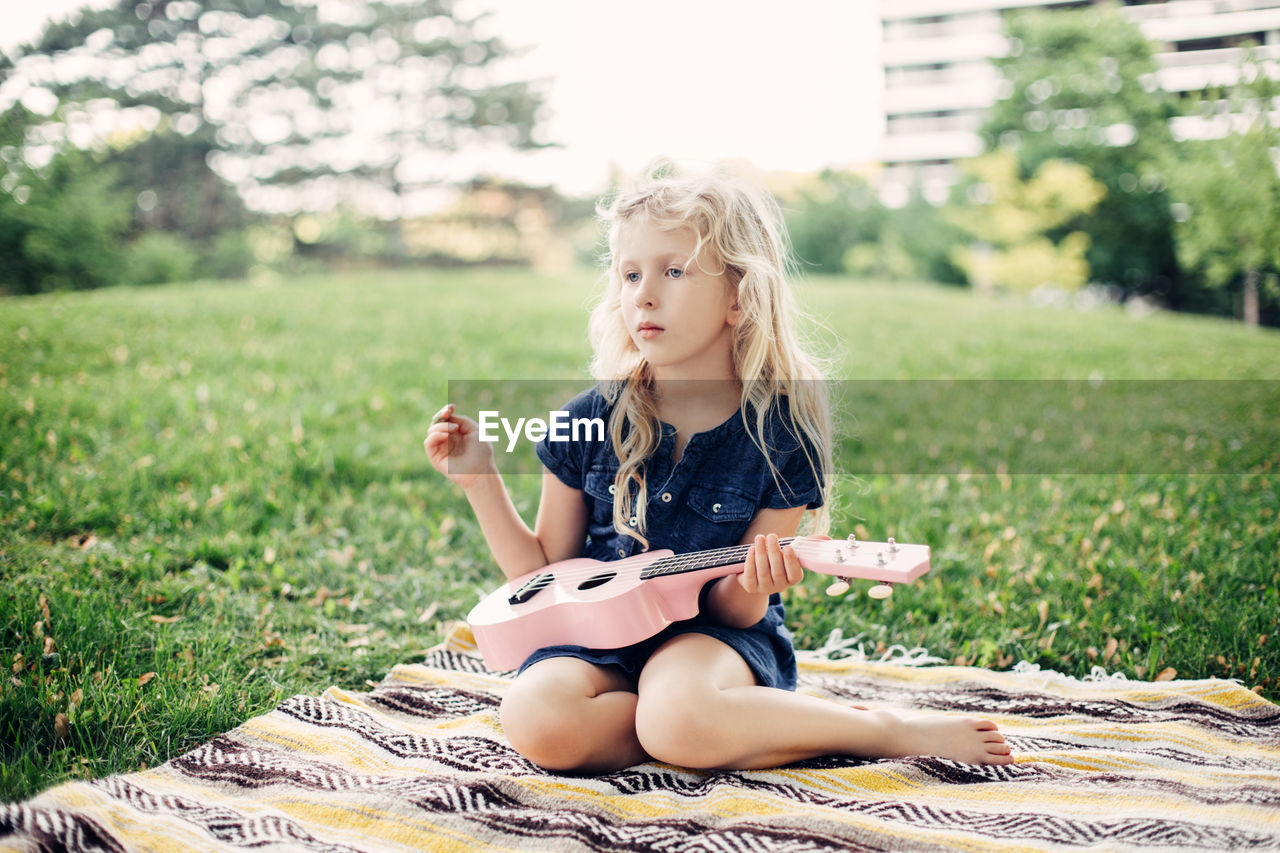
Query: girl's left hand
{"type": "Point", "coordinates": [770, 567]}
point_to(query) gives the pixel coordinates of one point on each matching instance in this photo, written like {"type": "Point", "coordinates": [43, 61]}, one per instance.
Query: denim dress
{"type": "Point", "coordinates": [706, 500]}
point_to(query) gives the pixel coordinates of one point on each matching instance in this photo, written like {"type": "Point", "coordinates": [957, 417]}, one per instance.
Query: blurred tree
{"type": "Point", "coordinates": [62, 226]}
{"type": "Point", "coordinates": [82, 218]}
{"type": "Point", "coordinates": [1227, 192]}
{"type": "Point", "coordinates": [914, 242]}
{"type": "Point", "coordinates": [1012, 220]}
{"type": "Point", "coordinates": [926, 235]}
{"type": "Point", "coordinates": [1081, 86]}
{"type": "Point", "coordinates": [830, 214]}
{"type": "Point", "coordinates": [299, 105]}
{"type": "Point", "coordinates": [175, 188]}
{"type": "Point", "coordinates": [838, 224]}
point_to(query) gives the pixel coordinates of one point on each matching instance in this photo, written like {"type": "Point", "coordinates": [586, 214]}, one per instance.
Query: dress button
{"type": "Point", "coordinates": [613, 489]}
{"type": "Point", "coordinates": [715, 508]}
{"type": "Point", "coordinates": [633, 521]}
{"type": "Point", "coordinates": [666, 497]}
{"type": "Point", "coordinates": [622, 552]}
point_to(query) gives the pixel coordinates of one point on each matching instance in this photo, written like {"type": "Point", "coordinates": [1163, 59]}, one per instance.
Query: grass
{"type": "Point", "coordinates": [213, 497]}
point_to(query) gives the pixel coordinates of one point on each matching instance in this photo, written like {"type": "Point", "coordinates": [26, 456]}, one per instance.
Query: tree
{"type": "Point", "coordinates": [62, 227]}
{"type": "Point", "coordinates": [174, 186]}
{"type": "Point", "coordinates": [1227, 192]}
{"type": "Point", "coordinates": [1081, 87]}
{"type": "Point", "coordinates": [838, 224]}
{"type": "Point", "coordinates": [299, 105]}
{"type": "Point", "coordinates": [926, 236]}
{"type": "Point", "coordinates": [830, 214]}
{"type": "Point", "coordinates": [1012, 218]}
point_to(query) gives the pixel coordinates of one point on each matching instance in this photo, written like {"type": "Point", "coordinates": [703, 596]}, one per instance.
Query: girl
{"type": "Point", "coordinates": [718, 435]}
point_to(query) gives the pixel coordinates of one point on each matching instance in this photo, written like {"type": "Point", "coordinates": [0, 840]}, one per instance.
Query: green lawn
{"type": "Point", "coordinates": [215, 496]}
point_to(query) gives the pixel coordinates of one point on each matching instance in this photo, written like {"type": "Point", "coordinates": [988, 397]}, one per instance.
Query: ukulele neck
{"type": "Point", "coordinates": [679, 564]}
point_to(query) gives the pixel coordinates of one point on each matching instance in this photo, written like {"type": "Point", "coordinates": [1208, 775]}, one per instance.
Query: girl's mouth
{"type": "Point", "coordinates": [649, 331]}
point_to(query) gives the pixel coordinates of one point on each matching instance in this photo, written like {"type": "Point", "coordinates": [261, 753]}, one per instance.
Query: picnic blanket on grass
{"type": "Point", "coordinates": [420, 763]}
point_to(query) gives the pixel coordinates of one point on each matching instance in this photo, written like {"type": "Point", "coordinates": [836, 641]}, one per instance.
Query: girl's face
{"type": "Point", "coordinates": [679, 309]}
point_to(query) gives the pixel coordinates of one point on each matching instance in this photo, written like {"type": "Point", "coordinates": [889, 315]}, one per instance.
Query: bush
{"type": "Point", "coordinates": [922, 233]}
{"type": "Point", "coordinates": [231, 255]}
{"type": "Point", "coordinates": [61, 226]}
{"type": "Point", "coordinates": [836, 211]}
{"type": "Point", "coordinates": [838, 224]}
{"type": "Point", "coordinates": [157, 257]}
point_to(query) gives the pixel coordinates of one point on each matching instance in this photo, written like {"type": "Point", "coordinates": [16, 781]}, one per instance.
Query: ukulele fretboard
{"type": "Point", "coordinates": [680, 563]}
{"type": "Point", "coordinates": [676, 564]}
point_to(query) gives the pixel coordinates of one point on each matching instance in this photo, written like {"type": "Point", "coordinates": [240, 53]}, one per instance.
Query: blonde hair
{"type": "Point", "coordinates": [741, 228]}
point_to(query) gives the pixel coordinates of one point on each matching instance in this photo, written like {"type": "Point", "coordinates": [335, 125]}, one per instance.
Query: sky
{"type": "Point", "coordinates": [696, 81]}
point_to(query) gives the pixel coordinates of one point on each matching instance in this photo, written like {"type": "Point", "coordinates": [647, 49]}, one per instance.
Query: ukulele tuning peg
{"type": "Point", "coordinates": [893, 546]}
{"type": "Point", "coordinates": [839, 556]}
{"type": "Point", "coordinates": [852, 541]}
{"type": "Point", "coordinates": [840, 587]}
{"type": "Point", "coordinates": [881, 591]}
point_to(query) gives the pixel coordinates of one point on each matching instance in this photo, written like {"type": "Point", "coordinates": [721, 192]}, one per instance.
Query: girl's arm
{"type": "Point", "coordinates": [740, 600]}
{"type": "Point", "coordinates": [455, 450]}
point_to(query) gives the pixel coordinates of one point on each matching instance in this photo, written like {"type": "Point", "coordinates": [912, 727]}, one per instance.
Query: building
{"type": "Point", "coordinates": [939, 80]}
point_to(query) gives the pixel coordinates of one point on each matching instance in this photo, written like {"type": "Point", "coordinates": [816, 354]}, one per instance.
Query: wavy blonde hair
{"type": "Point", "coordinates": [741, 228]}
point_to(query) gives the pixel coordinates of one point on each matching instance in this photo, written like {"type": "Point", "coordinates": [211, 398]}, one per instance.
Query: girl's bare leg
{"type": "Point", "coordinates": [565, 714]}
{"type": "Point", "coordinates": [699, 706]}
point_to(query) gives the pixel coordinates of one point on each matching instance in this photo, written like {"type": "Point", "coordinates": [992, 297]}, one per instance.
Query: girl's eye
{"type": "Point", "coordinates": [631, 277]}
{"type": "Point", "coordinates": [675, 272]}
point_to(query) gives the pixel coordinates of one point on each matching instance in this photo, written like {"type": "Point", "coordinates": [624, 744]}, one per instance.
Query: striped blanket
{"type": "Point", "coordinates": [420, 763]}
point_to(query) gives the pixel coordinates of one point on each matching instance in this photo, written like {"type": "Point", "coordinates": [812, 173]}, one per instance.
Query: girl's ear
{"type": "Point", "coordinates": [734, 284]}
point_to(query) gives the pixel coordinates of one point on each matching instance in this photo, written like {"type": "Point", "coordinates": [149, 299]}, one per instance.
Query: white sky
{"type": "Point", "coordinates": [786, 87]}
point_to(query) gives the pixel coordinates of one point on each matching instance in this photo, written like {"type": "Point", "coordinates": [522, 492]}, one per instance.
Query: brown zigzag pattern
{"type": "Point", "coordinates": [958, 774]}
{"type": "Point", "coordinates": [1253, 723]}
{"type": "Point", "coordinates": [495, 805]}
{"type": "Point", "coordinates": [1029, 826]}
{"type": "Point", "coordinates": [227, 761]}
{"type": "Point", "coordinates": [461, 753]}
{"type": "Point", "coordinates": [450, 661]}
{"type": "Point", "coordinates": [1243, 761]}
{"type": "Point", "coordinates": [600, 833]}
{"type": "Point", "coordinates": [1202, 714]}
{"type": "Point", "coordinates": [433, 703]}
{"type": "Point", "coordinates": [222, 824]}
{"type": "Point", "coordinates": [53, 831]}
{"type": "Point", "coordinates": [1021, 825]}
{"type": "Point", "coordinates": [597, 832]}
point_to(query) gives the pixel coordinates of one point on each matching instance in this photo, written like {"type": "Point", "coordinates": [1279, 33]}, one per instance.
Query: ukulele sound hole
{"type": "Point", "coordinates": [598, 580]}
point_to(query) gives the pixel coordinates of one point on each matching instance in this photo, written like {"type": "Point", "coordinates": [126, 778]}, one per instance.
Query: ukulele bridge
{"type": "Point", "coordinates": [531, 587]}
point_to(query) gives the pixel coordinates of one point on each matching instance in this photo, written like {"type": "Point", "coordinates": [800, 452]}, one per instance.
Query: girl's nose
{"type": "Point", "coordinates": [645, 296]}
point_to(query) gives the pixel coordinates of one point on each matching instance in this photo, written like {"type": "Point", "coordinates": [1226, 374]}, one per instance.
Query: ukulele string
{"type": "Point", "coordinates": [674, 564]}
{"type": "Point", "coordinates": [670, 565]}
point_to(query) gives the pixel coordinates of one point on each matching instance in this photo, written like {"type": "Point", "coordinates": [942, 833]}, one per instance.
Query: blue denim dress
{"type": "Point", "coordinates": [706, 500]}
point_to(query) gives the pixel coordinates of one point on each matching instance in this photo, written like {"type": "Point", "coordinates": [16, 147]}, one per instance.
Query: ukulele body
{"type": "Point", "coordinates": [615, 612]}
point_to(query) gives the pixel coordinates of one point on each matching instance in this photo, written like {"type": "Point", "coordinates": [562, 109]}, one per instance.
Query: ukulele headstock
{"type": "Point", "coordinates": [888, 562]}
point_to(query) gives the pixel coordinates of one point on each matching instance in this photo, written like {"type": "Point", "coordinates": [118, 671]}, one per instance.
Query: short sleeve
{"type": "Point", "coordinates": [569, 460]}
{"type": "Point", "coordinates": [799, 476]}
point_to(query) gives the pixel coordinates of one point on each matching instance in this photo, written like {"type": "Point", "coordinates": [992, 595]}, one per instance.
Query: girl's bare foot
{"type": "Point", "coordinates": [972, 740]}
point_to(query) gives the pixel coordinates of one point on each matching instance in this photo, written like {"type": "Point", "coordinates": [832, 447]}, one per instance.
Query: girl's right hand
{"type": "Point", "coordinates": [454, 447]}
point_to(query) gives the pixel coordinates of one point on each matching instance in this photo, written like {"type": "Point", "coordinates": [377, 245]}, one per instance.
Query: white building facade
{"type": "Point", "coordinates": [939, 81]}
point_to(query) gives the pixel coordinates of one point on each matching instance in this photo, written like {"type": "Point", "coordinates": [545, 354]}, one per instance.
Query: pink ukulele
{"type": "Point", "coordinates": [608, 605]}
